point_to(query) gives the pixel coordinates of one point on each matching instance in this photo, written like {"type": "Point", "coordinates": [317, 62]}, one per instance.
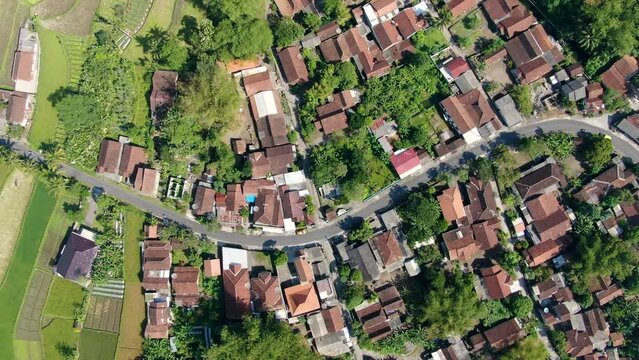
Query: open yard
{"type": "Point", "coordinates": [77, 21]}
{"type": "Point", "coordinates": [62, 299]}
{"type": "Point", "coordinates": [53, 75]}
{"type": "Point", "coordinates": [160, 16]}
{"type": "Point", "coordinates": [470, 34]}
{"type": "Point", "coordinates": [133, 312]}
{"type": "Point", "coordinates": [13, 13]}
{"type": "Point", "coordinates": [58, 336]}
{"type": "Point", "coordinates": [17, 276]}
{"type": "Point", "coordinates": [97, 345]}
{"type": "Point", "coordinates": [14, 200]}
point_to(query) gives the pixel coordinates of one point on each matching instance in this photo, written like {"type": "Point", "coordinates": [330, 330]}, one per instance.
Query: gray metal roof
{"type": "Point", "coordinates": [508, 111]}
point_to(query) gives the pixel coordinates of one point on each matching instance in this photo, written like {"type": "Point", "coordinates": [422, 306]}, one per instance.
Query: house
{"type": "Point", "coordinates": [579, 343]}
{"type": "Point", "coordinates": [452, 205]}
{"type": "Point", "coordinates": [151, 231]}
{"type": "Point", "coordinates": [461, 7]}
{"type": "Point", "coordinates": [384, 131]}
{"type": "Point", "coordinates": [266, 293]}
{"type": "Point", "coordinates": [618, 75]}
{"type": "Point", "coordinates": [386, 34]}
{"type": "Point", "coordinates": [594, 97]}
{"type": "Point", "coordinates": [594, 324]}
{"type": "Point", "coordinates": [258, 81]}
{"type": "Point", "coordinates": [332, 115]}
{"type": "Point", "coordinates": [304, 269]}
{"type": "Point", "coordinates": [608, 294]}
{"type": "Point", "coordinates": [228, 206]}
{"type": "Point", "coordinates": [163, 92]}
{"type": "Point", "coordinates": [497, 283]}
{"type": "Point", "coordinates": [466, 242]}
{"type": "Point", "coordinates": [549, 288]}
{"type": "Point", "coordinates": [453, 68]}
{"type": "Point", "coordinates": [408, 23]}
{"type": "Point", "coordinates": [292, 7]}
{"type": "Point", "coordinates": [549, 218]}
{"type": "Point", "coordinates": [332, 123]}
{"type": "Point", "coordinates": [272, 130]}
{"type": "Point", "coordinates": [482, 200]}
{"type": "Point", "coordinates": [267, 212]}
{"type": "Point", "coordinates": [541, 179]}
{"type": "Point", "coordinates": [630, 127]}
{"type": "Point", "coordinates": [212, 268]}
{"type": "Point", "coordinates": [156, 267]}
{"type": "Point", "coordinates": [533, 53]}
{"type": "Point", "coordinates": [378, 11]}
{"type": "Point", "coordinates": [293, 65]}
{"type": "Point", "coordinates": [615, 177]}
{"type": "Point", "coordinates": [361, 257]}
{"type": "Point", "coordinates": [380, 318]}
{"type": "Point", "coordinates": [204, 201]}
{"type": "Point", "coordinates": [302, 299]}
{"type": "Point", "coordinates": [372, 64]}
{"type": "Point", "coordinates": [237, 296]}
{"type": "Point", "coordinates": [330, 335]}
{"type": "Point", "coordinates": [467, 82]}
{"type": "Point", "coordinates": [120, 160]}
{"type": "Point", "coordinates": [185, 283]}
{"type": "Point", "coordinates": [272, 161]}
{"type": "Point", "coordinates": [498, 337]}
{"type": "Point", "coordinates": [575, 90]}
{"type": "Point", "coordinates": [265, 103]}
{"type": "Point", "coordinates": [546, 250]}
{"type": "Point", "coordinates": [147, 180]}
{"type": "Point", "coordinates": [158, 315]}
{"type": "Point", "coordinates": [405, 162]}
{"type": "Point", "coordinates": [389, 250]}
{"type": "Point", "coordinates": [508, 111]}
{"type": "Point", "coordinates": [344, 46]}
{"type": "Point", "coordinates": [456, 351]}
{"type": "Point", "coordinates": [20, 108]}
{"type": "Point", "coordinates": [509, 16]}
{"type": "Point", "coordinates": [471, 115]}
{"type": "Point", "coordinates": [26, 62]}
{"type": "Point", "coordinates": [77, 255]}
{"type": "Point", "coordinates": [293, 205]}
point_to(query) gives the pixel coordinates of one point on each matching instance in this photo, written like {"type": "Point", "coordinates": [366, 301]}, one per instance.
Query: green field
{"type": "Point", "coordinates": [62, 299]}
{"type": "Point", "coordinates": [4, 174]}
{"type": "Point", "coordinates": [97, 345]}
{"type": "Point", "coordinates": [12, 16]}
{"type": "Point", "coordinates": [160, 16]}
{"type": "Point", "coordinates": [74, 48]}
{"type": "Point", "coordinates": [53, 75]}
{"type": "Point", "coordinates": [57, 335]}
{"type": "Point", "coordinates": [133, 311]}
{"type": "Point", "coordinates": [25, 254]}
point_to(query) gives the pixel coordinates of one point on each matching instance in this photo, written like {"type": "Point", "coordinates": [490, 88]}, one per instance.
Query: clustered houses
{"type": "Point", "coordinates": [24, 73]}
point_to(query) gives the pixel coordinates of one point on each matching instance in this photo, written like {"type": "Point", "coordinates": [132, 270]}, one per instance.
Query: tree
{"type": "Point", "coordinates": [534, 146]}
{"type": "Point", "coordinates": [521, 95]}
{"type": "Point", "coordinates": [613, 100]}
{"type": "Point", "coordinates": [616, 197]}
{"type": "Point", "coordinates": [346, 72]}
{"type": "Point", "coordinates": [559, 341]}
{"type": "Point", "coordinates": [180, 135]}
{"type": "Point", "coordinates": [422, 217]}
{"type": "Point", "coordinates": [260, 339]}
{"type": "Point", "coordinates": [279, 257]}
{"type": "Point", "coordinates": [363, 232]}
{"type": "Point", "coordinates": [530, 348]}
{"type": "Point", "coordinates": [311, 21]}
{"type": "Point", "coordinates": [287, 32]}
{"type": "Point", "coordinates": [510, 260]}
{"type": "Point", "coordinates": [242, 38]}
{"type": "Point", "coordinates": [444, 19]}
{"type": "Point", "coordinates": [463, 41]}
{"type": "Point", "coordinates": [482, 168]}
{"type": "Point", "coordinates": [598, 151]}
{"type": "Point", "coordinates": [165, 48]}
{"type": "Point", "coordinates": [560, 145]}
{"type": "Point", "coordinates": [520, 306]}
{"type": "Point", "coordinates": [336, 10]}
{"type": "Point", "coordinates": [504, 166]}
{"type": "Point", "coordinates": [623, 315]}
{"type": "Point", "coordinates": [471, 22]}
{"type": "Point", "coordinates": [157, 349]}
{"type": "Point", "coordinates": [598, 255]}
{"type": "Point", "coordinates": [234, 9]}
{"type": "Point", "coordinates": [492, 312]}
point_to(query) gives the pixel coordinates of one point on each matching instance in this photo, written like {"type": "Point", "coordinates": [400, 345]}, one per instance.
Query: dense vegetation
{"type": "Point", "coordinates": [422, 218]}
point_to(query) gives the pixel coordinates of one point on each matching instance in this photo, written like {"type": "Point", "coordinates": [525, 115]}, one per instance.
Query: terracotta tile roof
{"type": "Point", "coordinates": [344, 46]}
{"type": "Point", "coordinates": [388, 248]}
{"type": "Point", "coordinates": [280, 158]}
{"type": "Point", "coordinates": [461, 244]}
{"type": "Point", "coordinates": [498, 10]}
{"type": "Point", "coordinates": [460, 7]}
{"type": "Point", "coordinates": [483, 204]}
{"type": "Point", "coordinates": [157, 326]}
{"type": "Point", "coordinates": [23, 66]}
{"type": "Point", "coordinates": [617, 339]}
{"type": "Point", "coordinates": [185, 283]}
{"type": "Point", "coordinates": [132, 156]}
{"type": "Point", "coordinates": [333, 319]}
{"type": "Point", "coordinates": [260, 166]}
{"type": "Point", "coordinates": [304, 269]}
{"type": "Point", "coordinates": [457, 66]}
{"type": "Point", "coordinates": [239, 146]}
{"type": "Point", "coordinates": [383, 7]}
{"type": "Point", "coordinates": [333, 123]}
{"type": "Point", "coordinates": [293, 204]}
{"type": "Point", "coordinates": [146, 180]}
{"type": "Point", "coordinates": [250, 187]}
{"type": "Point", "coordinates": [341, 101]}
{"type": "Point", "coordinates": [234, 199]}
{"type": "Point", "coordinates": [17, 108]}
{"type": "Point", "coordinates": [496, 281]}
{"type": "Point", "coordinates": [156, 265]}
{"type": "Point", "coordinates": [291, 7]}
{"type": "Point", "coordinates": [164, 90]}
{"type": "Point", "coordinates": [617, 76]}
{"type": "Point", "coordinates": [470, 111]}
{"type": "Point", "coordinates": [405, 162]}
{"type": "Point", "coordinates": [607, 295]}
{"type": "Point", "coordinates": [386, 34]}
{"type": "Point", "coordinates": [519, 21]}
{"type": "Point", "coordinates": [372, 66]}
{"type": "Point", "coordinates": [451, 204]}
{"type": "Point", "coordinates": [485, 233]}
{"type": "Point", "coordinates": [212, 268]}
{"type": "Point", "coordinates": [268, 208]}
{"type": "Point", "coordinates": [150, 231]}
{"type": "Point", "coordinates": [272, 130]}
{"type": "Point", "coordinates": [302, 299]}
{"type": "Point", "coordinates": [546, 250]}
{"type": "Point", "coordinates": [374, 321]}
{"type": "Point", "coordinates": [256, 83]}
{"type": "Point", "coordinates": [390, 299]}
{"type": "Point", "coordinates": [266, 293]}
{"type": "Point", "coordinates": [579, 343]}
{"type": "Point", "coordinates": [538, 181]}
{"type": "Point", "coordinates": [237, 295]}
{"type": "Point", "coordinates": [614, 177]}
{"type": "Point", "coordinates": [504, 334]}
{"type": "Point", "coordinates": [328, 30]}
{"type": "Point", "coordinates": [293, 65]}
{"type": "Point", "coordinates": [533, 53]}
{"type": "Point", "coordinates": [407, 23]}
{"type": "Point", "coordinates": [550, 219]}
{"type": "Point", "coordinates": [109, 157]}
{"type": "Point", "coordinates": [204, 200]}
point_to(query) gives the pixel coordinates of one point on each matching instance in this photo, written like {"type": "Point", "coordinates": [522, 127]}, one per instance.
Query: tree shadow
{"type": "Point", "coordinates": [58, 95]}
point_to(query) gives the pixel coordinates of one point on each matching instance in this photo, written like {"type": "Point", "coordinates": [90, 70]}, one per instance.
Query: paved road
{"type": "Point", "coordinates": [384, 200]}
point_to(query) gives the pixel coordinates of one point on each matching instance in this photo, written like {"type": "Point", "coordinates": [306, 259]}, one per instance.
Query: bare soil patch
{"type": "Point", "coordinates": [52, 8]}
{"type": "Point", "coordinates": [76, 21]}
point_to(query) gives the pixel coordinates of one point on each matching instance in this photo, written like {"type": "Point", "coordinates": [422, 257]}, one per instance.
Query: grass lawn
{"type": "Point", "coordinates": [62, 298]}
{"type": "Point", "coordinates": [58, 333]}
{"type": "Point", "coordinates": [15, 283]}
{"type": "Point", "coordinates": [57, 229]}
{"type": "Point", "coordinates": [5, 170]}
{"type": "Point", "coordinates": [53, 75]}
{"type": "Point", "coordinates": [133, 311]}
{"type": "Point", "coordinates": [24, 349]}
{"type": "Point", "coordinates": [97, 345]}
{"type": "Point", "coordinates": [434, 39]}
{"type": "Point", "coordinates": [159, 17]}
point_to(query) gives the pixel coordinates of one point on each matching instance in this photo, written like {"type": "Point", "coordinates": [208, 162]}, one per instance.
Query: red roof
{"type": "Point", "coordinates": [460, 7]}
{"type": "Point", "coordinates": [457, 66]}
{"type": "Point", "coordinates": [496, 281]}
{"type": "Point", "coordinates": [617, 76]}
{"type": "Point", "coordinates": [212, 268]}
{"type": "Point", "coordinates": [237, 295]}
{"type": "Point", "coordinates": [405, 161]}
{"type": "Point", "coordinates": [302, 299]}
{"type": "Point", "coordinates": [388, 248]}
{"type": "Point", "coordinates": [293, 65]}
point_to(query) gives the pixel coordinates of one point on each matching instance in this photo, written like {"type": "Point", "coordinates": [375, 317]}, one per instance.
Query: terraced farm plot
{"type": "Point", "coordinates": [75, 48]}
{"type": "Point", "coordinates": [76, 21]}
{"type": "Point", "coordinates": [104, 313]}
{"type": "Point", "coordinates": [136, 15]}
{"type": "Point", "coordinates": [14, 200]}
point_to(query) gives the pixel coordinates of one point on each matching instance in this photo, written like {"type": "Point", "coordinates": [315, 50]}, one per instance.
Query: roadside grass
{"type": "Point", "coordinates": [97, 345]}
{"type": "Point", "coordinates": [58, 333]}
{"type": "Point", "coordinates": [62, 299]}
{"type": "Point", "coordinates": [21, 267]}
{"type": "Point", "coordinates": [53, 75]}
{"type": "Point", "coordinates": [133, 311]}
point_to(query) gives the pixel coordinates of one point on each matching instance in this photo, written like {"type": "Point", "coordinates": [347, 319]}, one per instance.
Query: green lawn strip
{"type": "Point", "coordinates": [97, 345]}
{"type": "Point", "coordinates": [25, 349]}
{"type": "Point", "coordinates": [53, 76]}
{"type": "Point", "coordinates": [133, 311]}
{"type": "Point", "coordinates": [13, 15]}
{"type": "Point", "coordinates": [59, 333]}
{"type": "Point", "coordinates": [160, 16]}
{"type": "Point", "coordinates": [24, 256]}
{"type": "Point", "coordinates": [141, 112]}
{"type": "Point", "coordinates": [57, 229]}
{"type": "Point", "coordinates": [5, 171]}
{"type": "Point", "coordinates": [62, 298]}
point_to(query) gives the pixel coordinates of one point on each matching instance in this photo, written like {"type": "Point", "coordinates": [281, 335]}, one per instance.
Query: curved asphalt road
{"type": "Point", "coordinates": [382, 201]}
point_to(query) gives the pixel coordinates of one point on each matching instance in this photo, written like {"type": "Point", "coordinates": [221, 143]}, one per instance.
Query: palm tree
{"type": "Point", "coordinates": [444, 19]}
{"type": "Point", "coordinates": [588, 39]}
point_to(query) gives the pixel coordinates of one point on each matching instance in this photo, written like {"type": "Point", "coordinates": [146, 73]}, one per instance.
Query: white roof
{"type": "Point", "coordinates": [234, 256]}
{"type": "Point", "coordinates": [412, 267]}
{"type": "Point", "coordinates": [265, 103]}
{"type": "Point", "coordinates": [255, 70]}
{"type": "Point", "coordinates": [472, 136]}
{"type": "Point", "coordinates": [294, 177]}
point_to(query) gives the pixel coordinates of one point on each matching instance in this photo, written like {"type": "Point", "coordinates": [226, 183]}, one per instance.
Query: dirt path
{"type": "Point", "coordinates": [14, 200]}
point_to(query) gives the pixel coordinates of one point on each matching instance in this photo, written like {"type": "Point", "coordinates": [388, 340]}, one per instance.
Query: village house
{"type": "Point", "coordinates": [156, 267]}
{"type": "Point", "coordinates": [121, 161]}
{"type": "Point", "coordinates": [20, 108]}
{"type": "Point", "coordinates": [331, 117]}
{"type": "Point", "coordinates": [158, 315]}
{"type": "Point", "coordinates": [329, 333]}
{"type": "Point", "coordinates": [618, 75]}
{"type": "Point", "coordinates": [26, 62]}
{"type": "Point", "coordinates": [594, 98]}
{"type": "Point", "coordinates": [302, 298]}
{"type": "Point", "coordinates": [497, 283]}
{"type": "Point", "coordinates": [534, 54]}
{"type": "Point", "coordinates": [293, 65]}
{"type": "Point", "coordinates": [543, 178]}
{"type": "Point", "coordinates": [456, 351]}
{"type": "Point", "coordinates": [451, 203]}
{"type": "Point", "coordinates": [405, 162]}
{"type": "Point", "coordinates": [235, 279]}
{"type": "Point", "coordinates": [482, 197]}
{"type": "Point", "coordinates": [267, 211]}
{"type": "Point", "coordinates": [228, 206]}
{"type": "Point", "coordinates": [508, 111]}
{"type": "Point", "coordinates": [204, 201]}
{"type": "Point", "coordinates": [546, 250]}
{"type": "Point", "coordinates": [630, 127]}
{"type": "Point", "coordinates": [77, 256]}
{"type": "Point", "coordinates": [550, 220]}
{"type": "Point", "coordinates": [185, 282]}
{"type": "Point", "coordinates": [380, 318]}
{"type": "Point", "coordinates": [461, 7]}
{"type": "Point", "coordinates": [163, 92]}
{"type": "Point", "coordinates": [271, 130]}
{"type": "Point", "coordinates": [378, 11]}
{"type": "Point", "coordinates": [266, 293]}
{"type": "Point", "coordinates": [212, 268]}
{"type": "Point", "coordinates": [556, 300]}
{"type": "Point", "coordinates": [593, 323]}
{"type": "Point", "coordinates": [385, 253]}
{"type": "Point", "coordinates": [467, 242]}
{"type": "Point", "coordinates": [510, 17]}
{"type": "Point", "coordinates": [498, 337]}
{"type": "Point", "coordinates": [471, 115]}
{"type": "Point", "coordinates": [385, 132]}
{"type": "Point", "coordinates": [272, 161]}
{"type": "Point", "coordinates": [604, 290]}
{"type": "Point", "coordinates": [292, 7]}
{"type": "Point", "coordinates": [615, 177]}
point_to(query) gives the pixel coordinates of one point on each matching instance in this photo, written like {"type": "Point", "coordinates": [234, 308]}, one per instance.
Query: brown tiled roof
{"type": "Point", "coordinates": [617, 76]}
{"type": "Point", "coordinates": [534, 70]}
{"type": "Point", "coordinates": [510, 16]}
{"type": "Point", "coordinates": [237, 296]}
{"type": "Point", "coordinates": [268, 208]}
{"type": "Point", "coordinates": [607, 295]}
{"type": "Point", "coordinates": [374, 321]}
{"type": "Point", "coordinates": [595, 321]}
{"type": "Point", "coordinates": [498, 10]}
{"type": "Point", "coordinates": [17, 107]}
{"type": "Point", "coordinates": [266, 293]}
{"type": "Point", "coordinates": [260, 166]}
{"type": "Point", "coordinates": [331, 50]}
{"type": "Point", "coordinates": [204, 200]}
{"type": "Point", "coordinates": [164, 90]}
{"type": "Point", "coordinates": [504, 334]}
{"type": "Point", "coordinates": [151, 231]}
{"type": "Point", "coordinates": [272, 131]}
{"type": "Point", "coordinates": [386, 34]}
{"type": "Point", "coordinates": [579, 343]}
{"type": "Point", "coordinates": [304, 269]}
{"type": "Point", "coordinates": [485, 233]}
{"type": "Point", "coordinates": [461, 244]}
{"type": "Point", "coordinates": [483, 205]}
{"type": "Point", "coordinates": [250, 187]}
{"type": "Point", "coordinates": [157, 326]}
{"type": "Point", "coordinates": [390, 299]}
{"type": "Point", "coordinates": [256, 83]}
{"type": "Point", "coordinates": [533, 53]}
{"type": "Point", "coordinates": [451, 204]}
{"type": "Point", "coordinates": [157, 257]}
{"type": "Point", "coordinates": [544, 251]}
{"type": "Point", "coordinates": [234, 199]}
{"type": "Point", "coordinates": [132, 156]}
{"type": "Point", "coordinates": [239, 146]}
{"type": "Point", "coordinates": [293, 65]}
{"type": "Point", "coordinates": [538, 181]}
{"type": "Point", "coordinates": [109, 157]}
{"type": "Point", "coordinates": [22, 66]}
{"type": "Point", "coordinates": [291, 7]}
{"type": "Point", "coordinates": [388, 248]}
{"type": "Point", "coordinates": [617, 339]}
{"type": "Point", "coordinates": [497, 282]}
{"type": "Point", "coordinates": [550, 219]}
{"type": "Point", "coordinates": [328, 30]}
{"type": "Point", "coordinates": [333, 123]}
{"type": "Point", "coordinates": [615, 177]}
{"type": "Point", "coordinates": [407, 23]}
{"type": "Point", "coordinates": [333, 319]}
{"type": "Point", "coordinates": [184, 280]}
{"type": "Point", "coordinates": [302, 299]}
{"type": "Point", "coordinates": [212, 268]}
{"type": "Point", "coordinates": [373, 66]}
{"type": "Point", "coordinates": [383, 7]}
{"type": "Point", "coordinates": [546, 288]}
{"type": "Point", "coordinates": [280, 158]}
{"type": "Point", "coordinates": [293, 204]}
{"type": "Point", "coordinates": [145, 180]}
{"type": "Point", "coordinates": [342, 100]}
{"type": "Point", "coordinates": [469, 111]}
{"type": "Point", "coordinates": [460, 7]}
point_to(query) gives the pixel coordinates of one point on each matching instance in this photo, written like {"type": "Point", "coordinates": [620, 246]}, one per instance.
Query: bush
{"type": "Point", "coordinates": [471, 22]}
{"type": "Point", "coordinates": [287, 32]}
{"type": "Point", "coordinates": [521, 95]}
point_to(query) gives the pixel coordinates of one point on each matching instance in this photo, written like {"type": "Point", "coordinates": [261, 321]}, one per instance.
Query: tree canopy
{"type": "Point", "coordinates": [287, 31]}
{"type": "Point", "coordinates": [530, 348]}
{"type": "Point", "coordinates": [422, 217]}
{"type": "Point", "coordinates": [522, 97]}
{"type": "Point", "coordinates": [598, 152]}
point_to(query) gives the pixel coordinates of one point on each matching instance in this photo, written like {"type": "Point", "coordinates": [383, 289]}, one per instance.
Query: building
{"type": "Point", "coordinates": [594, 97]}
{"type": "Point", "coordinates": [461, 7]}
{"type": "Point", "coordinates": [266, 293]}
{"type": "Point", "coordinates": [615, 177]}
{"type": "Point", "coordinates": [546, 250]}
{"type": "Point", "coordinates": [361, 257]}
{"type": "Point", "coordinates": [204, 201]}
{"type": "Point", "coordinates": [453, 68]}
{"type": "Point", "coordinates": [302, 299]}
{"type": "Point", "coordinates": [471, 115]}
{"type": "Point", "coordinates": [77, 255]}
{"type": "Point", "coordinates": [594, 324]}
{"type": "Point", "coordinates": [185, 282]}
{"type": "Point", "coordinates": [20, 108]}
{"type": "Point", "coordinates": [380, 318]}
{"type": "Point", "coordinates": [156, 267]}
{"type": "Point", "coordinates": [163, 92]}
{"type": "Point", "coordinates": [272, 161]}
{"type": "Point", "coordinates": [575, 90]}
{"type": "Point", "coordinates": [332, 115]}
{"type": "Point", "coordinates": [630, 127]}
{"type": "Point", "coordinates": [549, 217]}
{"type": "Point", "coordinates": [405, 162]}
{"type": "Point", "coordinates": [212, 268]}
{"type": "Point", "coordinates": [293, 65]}
{"type": "Point", "coordinates": [292, 7]}
{"type": "Point", "coordinates": [501, 336]}
{"type": "Point", "coordinates": [510, 17]}
{"type": "Point", "coordinates": [497, 283]}
{"type": "Point", "coordinates": [304, 269]}
{"type": "Point", "coordinates": [618, 75]}
{"type": "Point", "coordinates": [272, 130]}
{"type": "Point", "coordinates": [120, 160]}
{"type": "Point", "coordinates": [26, 62]}
{"type": "Point", "coordinates": [267, 212]}
{"type": "Point", "coordinates": [378, 11]}
{"type": "Point", "coordinates": [158, 315]}
{"type": "Point", "coordinates": [482, 200]}
{"type": "Point", "coordinates": [257, 81]}
{"type": "Point", "coordinates": [545, 178]}
{"type": "Point", "coordinates": [330, 335]}
{"type": "Point", "coordinates": [389, 250]}
{"type": "Point", "coordinates": [237, 296]}
{"type": "Point", "coordinates": [456, 351]}
{"type": "Point", "coordinates": [534, 54]}
{"type": "Point", "coordinates": [466, 242]}
{"type": "Point", "coordinates": [452, 205]}
{"type": "Point", "coordinates": [147, 180]}
{"type": "Point", "coordinates": [508, 111]}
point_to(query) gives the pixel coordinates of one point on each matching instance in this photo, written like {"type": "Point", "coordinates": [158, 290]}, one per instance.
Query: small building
{"type": "Point", "coordinates": [185, 282]}
{"type": "Point", "coordinates": [482, 200]}
{"type": "Point", "coordinates": [550, 220]}
{"type": "Point", "coordinates": [158, 318]}
{"type": "Point", "coordinates": [453, 68]}
{"type": "Point", "coordinates": [380, 318]}
{"type": "Point", "coordinates": [237, 296]}
{"type": "Point", "coordinates": [456, 351]}
{"type": "Point", "coordinates": [389, 250]}
{"type": "Point", "coordinates": [469, 113]}
{"type": "Point", "coordinates": [461, 7]}
{"type": "Point", "coordinates": [534, 54]}
{"type": "Point", "coordinates": [147, 180]}
{"type": "Point", "coordinates": [575, 90]}
{"type": "Point", "coordinates": [594, 97]}
{"type": "Point", "coordinates": [120, 160]}
{"type": "Point", "coordinates": [292, 7]}
{"type": "Point", "coordinates": [615, 177]}
{"type": "Point", "coordinates": [618, 75]}
{"type": "Point", "coordinates": [156, 267]}
{"type": "Point", "coordinates": [630, 127]}
{"type": "Point", "coordinates": [451, 203]}
{"type": "Point", "coordinates": [302, 299]}
{"type": "Point", "coordinates": [20, 108]}
{"type": "Point", "coordinates": [293, 65]}
{"type": "Point", "coordinates": [272, 130]}
{"type": "Point", "coordinates": [26, 62]}
{"type": "Point", "coordinates": [405, 162]}
{"type": "Point", "coordinates": [257, 81]}
{"type": "Point", "coordinates": [508, 111]}
{"type": "Point", "coordinates": [77, 256]}
{"type": "Point", "coordinates": [330, 335]}
{"type": "Point", "coordinates": [497, 283]}
{"type": "Point", "coordinates": [546, 250]}
{"type": "Point", "coordinates": [509, 16]}
{"type": "Point", "coordinates": [266, 293]}
{"type": "Point", "coordinates": [498, 337]}
{"type": "Point", "coordinates": [212, 268]}
{"type": "Point", "coordinates": [541, 179]}
{"type": "Point", "coordinates": [163, 92]}
{"type": "Point", "coordinates": [267, 212]}
{"type": "Point", "coordinates": [204, 201]}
